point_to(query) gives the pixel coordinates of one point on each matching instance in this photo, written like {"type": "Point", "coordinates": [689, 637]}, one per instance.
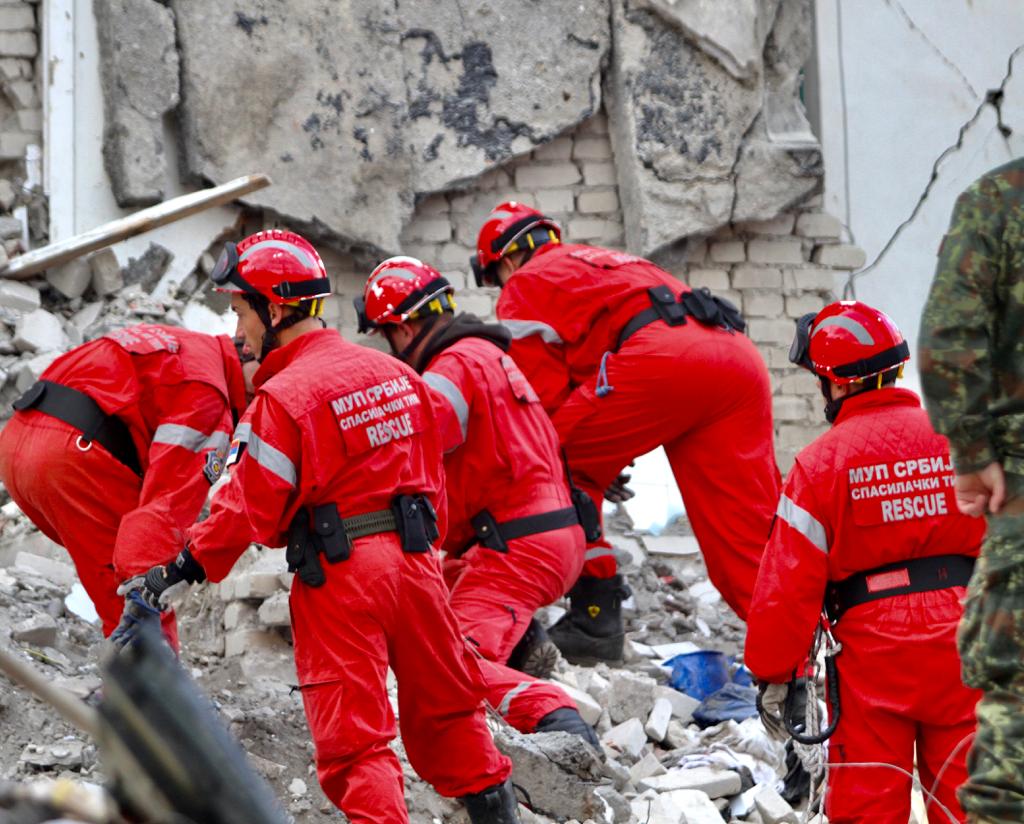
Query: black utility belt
{"type": "Point", "coordinates": [698, 304]}
{"type": "Point", "coordinates": [494, 535]}
{"type": "Point", "coordinates": [322, 531]}
{"type": "Point", "coordinates": [83, 413]}
{"type": "Point", "coordinates": [915, 575]}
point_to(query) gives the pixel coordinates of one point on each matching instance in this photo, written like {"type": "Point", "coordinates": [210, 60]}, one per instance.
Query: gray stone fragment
{"type": "Point", "coordinates": [147, 270]}
{"type": "Point", "coordinates": [657, 722]}
{"type": "Point", "coordinates": [28, 370]}
{"type": "Point", "coordinates": [559, 771]}
{"type": "Point", "coordinates": [683, 705]}
{"type": "Point", "coordinates": [7, 195]}
{"type": "Point", "coordinates": [10, 227]}
{"type": "Point", "coordinates": [695, 806]}
{"type": "Point", "coordinates": [139, 69]}
{"type": "Point", "coordinates": [40, 630]}
{"type": "Point", "coordinates": [773, 808]}
{"type": "Point", "coordinates": [716, 783]}
{"type": "Point", "coordinates": [627, 738]}
{"type": "Point", "coordinates": [20, 296]}
{"type": "Point", "coordinates": [274, 611]}
{"type": "Point", "coordinates": [619, 805]}
{"type": "Point", "coordinates": [61, 754]}
{"type": "Point", "coordinates": [72, 278]}
{"type": "Point", "coordinates": [632, 695]}
{"type": "Point", "coordinates": [395, 100]}
{"type": "Point", "coordinates": [106, 272]}
{"type": "Point", "coordinates": [39, 331]}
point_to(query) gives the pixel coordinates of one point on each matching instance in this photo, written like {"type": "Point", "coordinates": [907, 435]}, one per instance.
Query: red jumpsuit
{"type": "Point", "coordinates": [859, 497]}
{"type": "Point", "coordinates": [501, 454]}
{"type": "Point", "coordinates": [176, 391]}
{"type": "Point", "coordinates": [702, 393]}
{"type": "Point", "coordinates": [337, 423]}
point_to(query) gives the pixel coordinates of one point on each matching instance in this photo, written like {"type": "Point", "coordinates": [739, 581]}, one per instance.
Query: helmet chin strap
{"type": "Point", "coordinates": [271, 341]}
{"type": "Point", "coordinates": [406, 355]}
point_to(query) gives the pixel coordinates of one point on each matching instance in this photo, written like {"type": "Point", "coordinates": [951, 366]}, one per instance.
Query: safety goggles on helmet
{"type": "Point", "coordinates": [365, 325]}
{"type": "Point", "coordinates": [800, 349]}
{"type": "Point", "coordinates": [226, 271]}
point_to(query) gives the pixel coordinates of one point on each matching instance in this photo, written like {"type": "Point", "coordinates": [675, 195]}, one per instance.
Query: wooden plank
{"type": "Point", "coordinates": [31, 263]}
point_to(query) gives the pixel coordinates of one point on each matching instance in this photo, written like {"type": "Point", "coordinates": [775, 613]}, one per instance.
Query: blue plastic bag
{"type": "Point", "coordinates": [699, 674]}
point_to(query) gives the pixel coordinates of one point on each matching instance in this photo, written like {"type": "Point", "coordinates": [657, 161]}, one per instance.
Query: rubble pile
{"type": "Point", "coordinates": [79, 301]}
{"type": "Point", "coordinates": [657, 765]}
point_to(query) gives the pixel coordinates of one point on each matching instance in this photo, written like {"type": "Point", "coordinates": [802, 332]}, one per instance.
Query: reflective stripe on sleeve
{"type": "Point", "coordinates": [525, 328]}
{"type": "Point", "coordinates": [272, 459]}
{"type": "Point", "coordinates": [242, 433]}
{"type": "Point", "coordinates": [803, 522]}
{"type": "Point", "coordinates": [518, 689]}
{"type": "Point", "coordinates": [598, 552]}
{"type": "Point", "coordinates": [450, 391]}
{"type": "Point", "coordinates": [176, 434]}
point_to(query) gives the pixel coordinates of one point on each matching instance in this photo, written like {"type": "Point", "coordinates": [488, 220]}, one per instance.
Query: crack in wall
{"type": "Point", "coordinates": [993, 97]}
{"type": "Point", "coordinates": [931, 44]}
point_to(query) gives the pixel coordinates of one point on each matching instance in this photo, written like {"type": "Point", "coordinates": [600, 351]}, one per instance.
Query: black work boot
{"type": "Point", "coordinates": [592, 629]}
{"type": "Point", "coordinates": [495, 805]}
{"type": "Point", "coordinates": [535, 654]}
{"type": "Point", "coordinates": [566, 719]}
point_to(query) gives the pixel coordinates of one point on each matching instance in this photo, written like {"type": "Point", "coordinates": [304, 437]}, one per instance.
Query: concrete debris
{"type": "Point", "coordinates": [106, 273]}
{"type": "Point", "coordinates": [22, 297]}
{"type": "Point", "coordinates": [655, 766]}
{"type": "Point", "coordinates": [147, 270]}
{"type": "Point", "coordinates": [39, 630]}
{"type": "Point", "coordinates": [772, 807]}
{"type": "Point", "coordinates": [71, 279]}
{"type": "Point", "coordinates": [39, 331]}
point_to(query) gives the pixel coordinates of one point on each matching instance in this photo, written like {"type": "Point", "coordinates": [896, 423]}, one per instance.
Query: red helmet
{"type": "Point", "coordinates": [848, 341]}
{"type": "Point", "coordinates": [282, 266]}
{"type": "Point", "coordinates": [508, 228]}
{"type": "Point", "coordinates": [401, 289]}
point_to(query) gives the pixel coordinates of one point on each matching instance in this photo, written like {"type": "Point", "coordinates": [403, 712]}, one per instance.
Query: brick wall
{"type": "Point", "coordinates": [21, 115]}
{"type": "Point", "coordinates": [775, 271]}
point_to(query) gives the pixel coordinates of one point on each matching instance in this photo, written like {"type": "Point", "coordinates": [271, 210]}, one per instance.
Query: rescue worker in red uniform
{"type": "Point", "coordinates": [514, 543]}
{"type": "Point", "coordinates": [113, 451]}
{"type": "Point", "coordinates": [343, 463]}
{"type": "Point", "coordinates": [625, 358]}
{"type": "Point", "coordinates": [868, 526]}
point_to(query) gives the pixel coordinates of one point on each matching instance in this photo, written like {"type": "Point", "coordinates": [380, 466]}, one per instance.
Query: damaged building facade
{"type": "Point", "coordinates": [670, 130]}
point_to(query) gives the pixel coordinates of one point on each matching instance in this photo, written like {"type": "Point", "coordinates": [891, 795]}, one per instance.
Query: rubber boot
{"type": "Point", "coordinates": [495, 805]}
{"type": "Point", "coordinates": [566, 719]}
{"type": "Point", "coordinates": [592, 629]}
{"type": "Point", "coordinates": [535, 654]}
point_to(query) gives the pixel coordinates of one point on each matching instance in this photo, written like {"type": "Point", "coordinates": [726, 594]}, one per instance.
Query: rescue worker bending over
{"type": "Point", "coordinates": [868, 527]}
{"type": "Point", "coordinates": [343, 464]}
{"type": "Point", "coordinates": [111, 453]}
{"type": "Point", "coordinates": [625, 358]}
{"type": "Point", "coordinates": [514, 543]}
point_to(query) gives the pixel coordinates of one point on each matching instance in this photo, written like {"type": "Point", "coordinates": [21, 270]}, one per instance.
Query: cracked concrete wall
{"type": "Point", "coordinates": [897, 81]}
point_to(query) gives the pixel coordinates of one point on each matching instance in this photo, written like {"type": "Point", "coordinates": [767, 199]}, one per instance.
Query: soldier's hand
{"type": "Point", "coordinates": [771, 700]}
{"type": "Point", "coordinates": [617, 492]}
{"type": "Point", "coordinates": [981, 490]}
{"type": "Point", "coordinates": [137, 613]}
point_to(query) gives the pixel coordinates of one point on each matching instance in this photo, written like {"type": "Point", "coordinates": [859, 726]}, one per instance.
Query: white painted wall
{"type": "Point", "coordinates": [914, 71]}
{"type": "Point", "coordinates": [75, 179]}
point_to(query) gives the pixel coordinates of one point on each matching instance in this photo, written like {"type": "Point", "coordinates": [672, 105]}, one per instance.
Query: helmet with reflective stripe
{"type": "Point", "coordinates": [281, 266]}
{"type": "Point", "coordinates": [848, 341]}
{"type": "Point", "coordinates": [510, 227]}
{"type": "Point", "coordinates": [402, 289]}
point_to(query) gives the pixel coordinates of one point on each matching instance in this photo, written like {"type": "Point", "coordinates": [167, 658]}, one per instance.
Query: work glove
{"type": "Point", "coordinates": [771, 701]}
{"type": "Point", "coordinates": [158, 587]}
{"type": "Point", "coordinates": [617, 492]}
{"type": "Point", "coordinates": [137, 614]}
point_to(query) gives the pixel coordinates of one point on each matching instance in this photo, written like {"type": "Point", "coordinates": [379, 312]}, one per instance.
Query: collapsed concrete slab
{"type": "Point", "coordinates": [139, 72]}
{"type": "Point", "coordinates": [701, 140]}
{"type": "Point", "coordinates": [380, 104]}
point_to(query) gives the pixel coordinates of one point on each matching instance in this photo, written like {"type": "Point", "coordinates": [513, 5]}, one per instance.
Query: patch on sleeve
{"type": "Point", "coordinates": [235, 452]}
{"type": "Point", "coordinates": [144, 339]}
{"type": "Point", "coordinates": [376, 415]}
{"type": "Point", "coordinates": [903, 490]}
{"type": "Point", "coordinates": [214, 465]}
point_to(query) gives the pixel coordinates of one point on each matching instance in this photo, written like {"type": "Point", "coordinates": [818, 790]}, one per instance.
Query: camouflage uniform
{"type": "Point", "coordinates": [972, 370]}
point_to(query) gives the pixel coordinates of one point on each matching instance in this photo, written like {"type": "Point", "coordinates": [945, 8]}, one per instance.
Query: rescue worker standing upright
{"type": "Point", "coordinates": [867, 528]}
{"type": "Point", "coordinates": [972, 376]}
{"type": "Point", "coordinates": [343, 463]}
{"type": "Point", "coordinates": [514, 543]}
{"type": "Point", "coordinates": [626, 358]}
{"type": "Point", "coordinates": [113, 451]}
